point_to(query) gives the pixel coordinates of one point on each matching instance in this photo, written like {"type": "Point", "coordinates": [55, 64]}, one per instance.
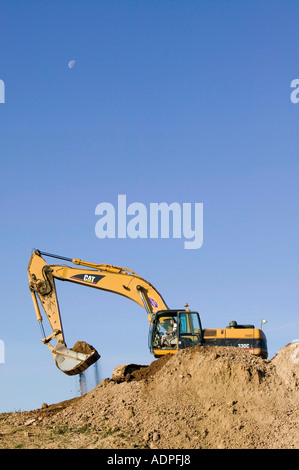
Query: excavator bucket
{"type": "Point", "coordinates": [76, 360]}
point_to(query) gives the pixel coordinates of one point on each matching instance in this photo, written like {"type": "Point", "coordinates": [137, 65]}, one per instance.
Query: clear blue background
{"type": "Point", "coordinates": [185, 101]}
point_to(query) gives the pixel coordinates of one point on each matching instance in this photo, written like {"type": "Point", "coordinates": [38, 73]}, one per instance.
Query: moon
{"type": "Point", "coordinates": [71, 64]}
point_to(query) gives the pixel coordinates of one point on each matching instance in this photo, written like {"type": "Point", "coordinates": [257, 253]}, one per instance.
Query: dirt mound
{"type": "Point", "coordinates": [287, 365]}
{"type": "Point", "coordinates": [209, 397]}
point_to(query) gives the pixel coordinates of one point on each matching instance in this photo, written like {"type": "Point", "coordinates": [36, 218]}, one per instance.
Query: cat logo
{"type": "Point", "coordinates": [91, 279]}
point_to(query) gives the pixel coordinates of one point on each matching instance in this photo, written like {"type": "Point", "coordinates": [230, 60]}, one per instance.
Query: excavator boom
{"type": "Point", "coordinates": [105, 277]}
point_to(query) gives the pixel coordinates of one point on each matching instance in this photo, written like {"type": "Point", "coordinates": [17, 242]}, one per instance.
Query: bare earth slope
{"type": "Point", "coordinates": [201, 398]}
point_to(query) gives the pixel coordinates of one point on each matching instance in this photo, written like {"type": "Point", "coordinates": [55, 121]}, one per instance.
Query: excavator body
{"type": "Point", "coordinates": [190, 333]}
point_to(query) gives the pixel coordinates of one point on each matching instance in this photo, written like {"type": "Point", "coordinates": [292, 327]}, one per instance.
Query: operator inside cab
{"type": "Point", "coordinates": [170, 334]}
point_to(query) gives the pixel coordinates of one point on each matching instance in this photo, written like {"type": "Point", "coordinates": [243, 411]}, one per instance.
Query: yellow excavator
{"type": "Point", "coordinates": [170, 330]}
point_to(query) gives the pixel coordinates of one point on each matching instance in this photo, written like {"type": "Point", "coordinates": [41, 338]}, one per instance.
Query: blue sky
{"type": "Point", "coordinates": [185, 101]}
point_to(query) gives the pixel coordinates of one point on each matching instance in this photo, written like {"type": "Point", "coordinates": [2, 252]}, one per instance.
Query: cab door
{"type": "Point", "coordinates": [189, 329]}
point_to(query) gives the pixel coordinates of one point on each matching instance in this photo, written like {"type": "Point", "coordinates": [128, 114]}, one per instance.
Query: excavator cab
{"type": "Point", "coordinates": [166, 336]}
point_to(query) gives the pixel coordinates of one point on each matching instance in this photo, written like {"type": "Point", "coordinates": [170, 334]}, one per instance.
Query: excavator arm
{"type": "Point", "coordinates": [105, 277]}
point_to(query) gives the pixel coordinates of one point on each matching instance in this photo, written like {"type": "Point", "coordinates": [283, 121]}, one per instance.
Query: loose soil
{"type": "Point", "coordinates": [200, 398]}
